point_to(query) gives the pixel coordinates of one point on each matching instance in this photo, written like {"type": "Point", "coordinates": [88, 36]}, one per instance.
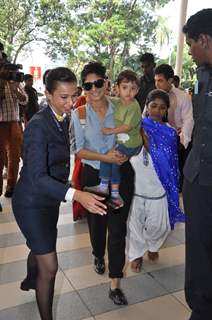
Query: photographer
{"type": "Point", "coordinates": [11, 94]}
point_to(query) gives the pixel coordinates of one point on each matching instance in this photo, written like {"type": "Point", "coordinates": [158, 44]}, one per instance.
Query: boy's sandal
{"type": "Point", "coordinates": [115, 203]}
{"type": "Point", "coordinates": [136, 265]}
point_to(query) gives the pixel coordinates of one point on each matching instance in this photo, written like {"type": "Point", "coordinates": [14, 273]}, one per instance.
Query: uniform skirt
{"type": "Point", "coordinates": [39, 227]}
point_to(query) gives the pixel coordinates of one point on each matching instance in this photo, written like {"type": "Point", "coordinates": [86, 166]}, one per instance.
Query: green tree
{"type": "Point", "coordinates": [79, 31]}
{"type": "Point", "coordinates": [188, 69]}
{"type": "Point", "coordinates": [163, 32]}
{"type": "Point", "coordinates": [21, 22]}
{"type": "Point", "coordinates": [16, 25]}
{"type": "Point", "coordinates": [188, 77]}
{"type": "Point", "coordinates": [104, 30]}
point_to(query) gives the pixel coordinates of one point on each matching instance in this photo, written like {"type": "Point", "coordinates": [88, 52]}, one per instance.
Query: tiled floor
{"type": "Point", "coordinates": [155, 294]}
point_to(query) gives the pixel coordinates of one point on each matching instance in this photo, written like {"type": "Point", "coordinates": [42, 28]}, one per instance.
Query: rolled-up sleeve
{"type": "Point", "coordinates": [187, 119]}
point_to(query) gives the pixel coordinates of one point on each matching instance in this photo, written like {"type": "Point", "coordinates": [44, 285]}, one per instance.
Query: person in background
{"type": "Point", "coordinates": [44, 103]}
{"type": "Point", "coordinates": [147, 82]}
{"type": "Point", "coordinates": [77, 209]}
{"type": "Point", "coordinates": [79, 91]}
{"type": "Point", "coordinates": [11, 94]}
{"type": "Point", "coordinates": [80, 99]}
{"type": "Point", "coordinates": [197, 188]}
{"type": "Point", "coordinates": [32, 106]}
{"type": "Point", "coordinates": [43, 184]}
{"type": "Point", "coordinates": [3, 150]}
{"type": "Point", "coordinates": [176, 81]}
{"type": "Point", "coordinates": [180, 114]}
{"type": "Point", "coordinates": [113, 92]}
{"type": "Point", "coordinates": [108, 88]}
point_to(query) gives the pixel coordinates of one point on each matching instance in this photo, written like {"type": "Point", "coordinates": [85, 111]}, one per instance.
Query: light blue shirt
{"type": "Point", "coordinates": [90, 137]}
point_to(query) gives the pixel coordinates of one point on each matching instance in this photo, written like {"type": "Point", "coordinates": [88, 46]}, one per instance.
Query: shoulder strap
{"type": "Point", "coordinates": [81, 112]}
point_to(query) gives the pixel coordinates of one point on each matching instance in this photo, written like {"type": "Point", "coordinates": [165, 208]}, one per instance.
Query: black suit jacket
{"type": "Point", "coordinates": [46, 162]}
{"type": "Point", "coordinates": [199, 161]}
{"type": "Point", "coordinates": [146, 85]}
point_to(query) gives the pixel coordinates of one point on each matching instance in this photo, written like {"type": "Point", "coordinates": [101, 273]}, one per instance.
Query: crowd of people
{"type": "Point", "coordinates": [132, 145]}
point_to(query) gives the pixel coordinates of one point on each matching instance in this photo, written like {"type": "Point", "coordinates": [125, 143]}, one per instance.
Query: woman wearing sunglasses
{"type": "Point", "coordinates": [92, 146]}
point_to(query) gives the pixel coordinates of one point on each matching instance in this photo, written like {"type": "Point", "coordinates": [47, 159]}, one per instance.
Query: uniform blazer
{"type": "Point", "coordinates": [46, 162]}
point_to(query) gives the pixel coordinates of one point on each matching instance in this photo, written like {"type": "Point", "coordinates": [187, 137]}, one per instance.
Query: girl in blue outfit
{"type": "Point", "coordinates": [155, 208]}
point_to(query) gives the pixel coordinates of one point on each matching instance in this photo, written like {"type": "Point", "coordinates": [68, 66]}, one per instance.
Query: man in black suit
{"type": "Point", "coordinates": [197, 189]}
{"type": "Point", "coordinates": [147, 82]}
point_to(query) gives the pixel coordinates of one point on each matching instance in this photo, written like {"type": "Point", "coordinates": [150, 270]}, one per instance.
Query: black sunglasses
{"type": "Point", "coordinates": [98, 84]}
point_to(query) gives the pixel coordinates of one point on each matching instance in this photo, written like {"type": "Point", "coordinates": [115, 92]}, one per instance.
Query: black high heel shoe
{"type": "Point", "coordinates": [27, 284]}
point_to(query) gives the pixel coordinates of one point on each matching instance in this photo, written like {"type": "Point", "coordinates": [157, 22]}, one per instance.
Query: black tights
{"type": "Point", "coordinates": [46, 267]}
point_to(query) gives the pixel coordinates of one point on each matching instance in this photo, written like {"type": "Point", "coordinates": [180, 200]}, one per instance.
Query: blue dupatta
{"type": "Point", "coordinates": [163, 150]}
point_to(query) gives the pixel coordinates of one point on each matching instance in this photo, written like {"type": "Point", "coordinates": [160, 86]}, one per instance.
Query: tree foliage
{"type": "Point", "coordinates": [104, 30]}
{"type": "Point", "coordinates": [79, 31]}
{"type": "Point", "coordinates": [17, 24]}
{"type": "Point", "coordinates": [22, 22]}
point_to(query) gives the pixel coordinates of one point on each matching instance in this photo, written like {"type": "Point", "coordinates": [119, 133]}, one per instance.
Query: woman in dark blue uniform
{"type": "Point", "coordinates": [43, 185]}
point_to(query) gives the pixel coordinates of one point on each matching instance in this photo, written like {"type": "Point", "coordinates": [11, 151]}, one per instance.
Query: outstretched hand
{"type": "Point", "coordinates": [91, 202]}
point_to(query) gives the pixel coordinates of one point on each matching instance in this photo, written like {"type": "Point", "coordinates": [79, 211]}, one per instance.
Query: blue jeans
{"type": "Point", "coordinates": [111, 171]}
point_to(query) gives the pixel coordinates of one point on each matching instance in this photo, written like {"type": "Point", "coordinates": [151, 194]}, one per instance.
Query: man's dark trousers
{"type": "Point", "coordinates": [198, 279]}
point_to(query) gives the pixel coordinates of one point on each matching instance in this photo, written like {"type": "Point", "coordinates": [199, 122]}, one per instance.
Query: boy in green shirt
{"type": "Point", "coordinates": [127, 116]}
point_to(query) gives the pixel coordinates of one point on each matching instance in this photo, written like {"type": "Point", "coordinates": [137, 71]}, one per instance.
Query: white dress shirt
{"type": "Point", "coordinates": [70, 193]}
{"type": "Point", "coordinates": [181, 104]}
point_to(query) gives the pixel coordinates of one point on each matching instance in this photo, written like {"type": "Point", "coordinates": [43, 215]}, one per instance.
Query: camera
{"type": "Point", "coordinates": [10, 71]}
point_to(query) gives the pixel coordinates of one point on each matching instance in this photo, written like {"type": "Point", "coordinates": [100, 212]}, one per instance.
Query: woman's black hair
{"type": "Point", "coordinates": [157, 93]}
{"type": "Point", "coordinates": [160, 94]}
{"type": "Point", "coordinates": [45, 76]}
{"type": "Point", "coordinates": [57, 75]}
{"type": "Point", "coordinates": [93, 67]}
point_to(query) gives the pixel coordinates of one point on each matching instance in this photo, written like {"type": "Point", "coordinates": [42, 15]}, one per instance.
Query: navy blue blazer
{"type": "Point", "coordinates": [46, 162]}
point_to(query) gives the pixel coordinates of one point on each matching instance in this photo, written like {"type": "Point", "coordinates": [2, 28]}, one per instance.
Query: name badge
{"type": "Point", "coordinates": [196, 87]}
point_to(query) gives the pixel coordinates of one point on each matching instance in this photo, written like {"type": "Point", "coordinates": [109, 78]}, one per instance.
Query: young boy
{"type": "Point", "coordinates": [127, 116]}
